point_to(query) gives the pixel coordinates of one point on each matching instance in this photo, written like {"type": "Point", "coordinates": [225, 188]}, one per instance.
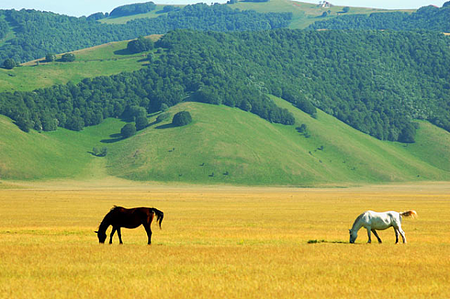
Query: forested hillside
{"type": "Point", "coordinates": [39, 33]}
{"type": "Point", "coordinates": [375, 81]}
{"type": "Point", "coordinates": [426, 18]}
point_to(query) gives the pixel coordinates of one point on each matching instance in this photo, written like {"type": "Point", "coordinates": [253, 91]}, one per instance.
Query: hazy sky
{"type": "Point", "coordinates": [87, 7]}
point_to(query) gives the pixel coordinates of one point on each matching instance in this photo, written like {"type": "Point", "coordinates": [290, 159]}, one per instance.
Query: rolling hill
{"type": "Point", "coordinates": [226, 146]}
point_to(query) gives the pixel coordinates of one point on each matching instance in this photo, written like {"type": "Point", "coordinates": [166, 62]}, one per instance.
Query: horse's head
{"type": "Point", "coordinates": [101, 237]}
{"type": "Point", "coordinates": [353, 236]}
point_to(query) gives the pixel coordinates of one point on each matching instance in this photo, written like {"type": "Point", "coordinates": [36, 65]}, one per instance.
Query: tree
{"type": "Point", "coordinates": [164, 107]}
{"type": "Point", "coordinates": [302, 129]}
{"type": "Point", "coordinates": [162, 117]}
{"type": "Point", "coordinates": [68, 57]}
{"type": "Point", "coordinates": [346, 9]}
{"type": "Point", "coordinates": [407, 134]}
{"type": "Point", "coordinates": [182, 118]}
{"type": "Point", "coordinates": [50, 57]}
{"type": "Point", "coordinates": [128, 130]}
{"type": "Point", "coordinates": [9, 64]}
{"type": "Point", "coordinates": [151, 57]}
{"type": "Point", "coordinates": [24, 124]}
{"type": "Point", "coordinates": [140, 44]}
{"type": "Point", "coordinates": [141, 122]}
{"type": "Point", "coordinates": [246, 106]}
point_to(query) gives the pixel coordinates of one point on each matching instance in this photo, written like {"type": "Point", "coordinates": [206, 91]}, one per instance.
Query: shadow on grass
{"type": "Point", "coordinates": [122, 52]}
{"type": "Point", "coordinates": [114, 138]}
{"type": "Point", "coordinates": [325, 241]}
{"type": "Point", "coordinates": [166, 126]}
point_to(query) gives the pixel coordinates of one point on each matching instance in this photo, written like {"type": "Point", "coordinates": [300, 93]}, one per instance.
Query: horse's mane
{"type": "Point", "coordinates": [357, 219]}
{"type": "Point", "coordinates": [115, 207]}
{"type": "Point", "coordinates": [107, 216]}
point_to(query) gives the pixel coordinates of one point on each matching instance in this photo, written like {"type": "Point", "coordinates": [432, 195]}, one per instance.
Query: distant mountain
{"type": "Point", "coordinates": [426, 18]}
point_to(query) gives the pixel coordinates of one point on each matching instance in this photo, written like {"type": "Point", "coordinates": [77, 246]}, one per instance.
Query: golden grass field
{"type": "Point", "coordinates": [223, 243]}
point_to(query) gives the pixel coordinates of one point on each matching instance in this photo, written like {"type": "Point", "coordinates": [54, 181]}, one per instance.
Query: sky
{"type": "Point", "coordinates": [87, 7]}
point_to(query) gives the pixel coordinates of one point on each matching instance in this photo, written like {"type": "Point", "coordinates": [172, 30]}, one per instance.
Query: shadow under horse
{"type": "Point", "coordinates": [129, 218]}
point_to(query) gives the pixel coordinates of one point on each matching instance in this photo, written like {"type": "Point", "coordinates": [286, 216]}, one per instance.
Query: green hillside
{"type": "Point", "coordinates": [105, 60]}
{"type": "Point", "coordinates": [51, 155]}
{"type": "Point", "coordinates": [226, 146]}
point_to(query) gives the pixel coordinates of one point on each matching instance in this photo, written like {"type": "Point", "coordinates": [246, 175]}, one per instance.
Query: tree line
{"type": "Point", "coordinates": [38, 33]}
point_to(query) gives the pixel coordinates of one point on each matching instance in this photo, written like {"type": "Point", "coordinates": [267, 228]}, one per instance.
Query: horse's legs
{"type": "Point", "coordinates": [120, 235]}
{"type": "Point", "coordinates": [112, 234]}
{"type": "Point", "coordinates": [376, 235]}
{"type": "Point", "coordinates": [149, 233]}
{"type": "Point", "coordinates": [402, 233]}
{"type": "Point", "coordinates": [368, 234]}
{"type": "Point", "coordinates": [396, 235]}
{"type": "Point", "coordinates": [398, 227]}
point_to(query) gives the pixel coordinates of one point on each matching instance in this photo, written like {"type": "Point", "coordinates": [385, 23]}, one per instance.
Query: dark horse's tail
{"type": "Point", "coordinates": [159, 216]}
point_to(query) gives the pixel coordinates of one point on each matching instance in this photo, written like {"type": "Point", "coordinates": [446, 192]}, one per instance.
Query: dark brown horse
{"type": "Point", "coordinates": [129, 218]}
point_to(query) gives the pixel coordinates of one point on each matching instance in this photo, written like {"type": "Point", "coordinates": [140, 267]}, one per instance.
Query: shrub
{"type": "Point", "coordinates": [181, 119]}
{"type": "Point", "coordinates": [9, 64]}
{"type": "Point", "coordinates": [141, 122]}
{"type": "Point", "coordinates": [128, 130]}
{"type": "Point", "coordinates": [50, 57]}
{"type": "Point", "coordinates": [68, 57]}
{"type": "Point", "coordinates": [162, 117]}
{"type": "Point", "coordinates": [140, 44]}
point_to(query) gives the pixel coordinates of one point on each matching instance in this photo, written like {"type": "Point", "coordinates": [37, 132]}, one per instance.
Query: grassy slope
{"type": "Point", "coordinates": [104, 60]}
{"type": "Point", "coordinates": [220, 140]}
{"type": "Point", "coordinates": [254, 151]}
{"type": "Point", "coordinates": [51, 155]}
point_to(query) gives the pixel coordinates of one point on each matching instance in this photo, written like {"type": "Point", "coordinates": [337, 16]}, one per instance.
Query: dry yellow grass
{"type": "Point", "coordinates": [223, 243]}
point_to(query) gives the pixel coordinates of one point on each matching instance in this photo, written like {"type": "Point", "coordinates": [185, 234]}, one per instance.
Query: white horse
{"type": "Point", "coordinates": [371, 221]}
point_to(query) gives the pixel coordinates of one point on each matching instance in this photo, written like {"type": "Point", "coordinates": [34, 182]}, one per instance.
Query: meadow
{"type": "Point", "coordinates": [224, 242]}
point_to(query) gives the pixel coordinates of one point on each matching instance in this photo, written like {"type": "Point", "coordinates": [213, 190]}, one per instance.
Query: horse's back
{"type": "Point", "coordinates": [380, 220]}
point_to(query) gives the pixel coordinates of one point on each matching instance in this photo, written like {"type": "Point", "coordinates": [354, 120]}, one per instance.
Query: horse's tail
{"type": "Point", "coordinates": [411, 213]}
{"type": "Point", "coordinates": [159, 216]}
